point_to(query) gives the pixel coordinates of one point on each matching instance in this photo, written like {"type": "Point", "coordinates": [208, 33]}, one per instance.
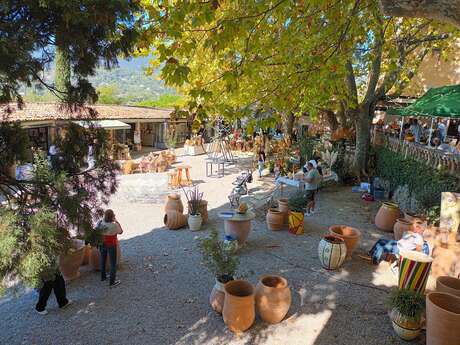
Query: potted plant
{"type": "Point", "coordinates": [222, 262]}
{"type": "Point", "coordinates": [407, 307]}
{"type": "Point", "coordinates": [297, 204]}
{"type": "Point", "coordinates": [194, 198]}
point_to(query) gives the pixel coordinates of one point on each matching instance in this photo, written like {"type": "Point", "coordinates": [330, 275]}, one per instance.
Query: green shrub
{"type": "Point", "coordinates": [410, 304]}
{"type": "Point", "coordinates": [298, 202]}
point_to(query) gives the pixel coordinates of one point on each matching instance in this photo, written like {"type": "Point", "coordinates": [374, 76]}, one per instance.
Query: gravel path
{"type": "Point", "coordinates": [163, 298]}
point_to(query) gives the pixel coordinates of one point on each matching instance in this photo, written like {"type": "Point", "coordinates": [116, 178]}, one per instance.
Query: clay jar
{"type": "Point", "coordinates": [412, 217]}
{"type": "Point", "coordinates": [275, 219]}
{"type": "Point", "coordinates": [448, 285]}
{"type": "Point", "coordinates": [350, 235]}
{"type": "Point", "coordinates": [69, 263]}
{"type": "Point", "coordinates": [283, 207]}
{"type": "Point", "coordinates": [273, 298]}
{"type": "Point", "coordinates": [239, 305]}
{"type": "Point", "coordinates": [202, 209]}
{"type": "Point", "coordinates": [386, 216]}
{"type": "Point", "coordinates": [174, 220]}
{"type": "Point", "coordinates": [217, 297]}
{"type": "Point", "coordinates": [332, 251]}
{"type": "Point", "coordinates": [402, 226]}
{"type": "Point", "coordinates": [442, 319]}
{"type": "Point", "coordinates": [174, 203]}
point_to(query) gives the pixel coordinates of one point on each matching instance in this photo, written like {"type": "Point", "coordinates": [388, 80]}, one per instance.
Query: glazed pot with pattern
{"type": "Point", "coordinates": [174, 220]}
{"type": "Point", "coordinates": [406, 328]}
{"type": "Point", "coordinates": [275, 219]}
{"type": "Point", "coordinates": [442, 319]}
{"type": "Point", "coordinates": [273, 298]}
{"type": "Point", "coordinates": [296, 222]}
{"type": "Point", "coordinates": [401, 226]}
{"type": "Point", "coordinates": [448, 285]}
{"type": "Point", "coordinates": [350, 235]}
{"type": "Point", "coordinates": [332, 252]}
{"type": "Point", "coordinates": [194, 222]}
{"type": "Point", "coordinates": [174, 203]}
{"type": "Point", "coordinates": [217, 297]}
{"type": "Point", "coordinates": [239, 305]}
{"type": "Point", "coordinates": [386, 216]}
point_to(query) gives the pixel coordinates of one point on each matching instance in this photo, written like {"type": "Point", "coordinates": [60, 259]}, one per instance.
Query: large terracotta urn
{"type": "Point", "coordinates": [239, 305]}
{"type": "Point", "coordinates": [70, 262]}
{"type": "Point", "coordinates": [350, 235]}
{"type": "Point", "coordinates": [174, 203]}
{"type": "Point", "coordinates": [174, 220]}
{"type": "Point", "coordinates": [386, 216]}
{"type": "Point", "coordinates": [238, 229]}
{"type": "Point", "coordinates": [283, 207]}
{"type": "Point", "coordinates": [442, 319]}
{"type": "Point", "coordinates": [217, 297]}
{"type": "Point", "coordinates": [273, 298]}
{"type": "Point", "coordinates": [275, 219]}
{"type": "Point", "coordinates": [448, 285]}
{"type": "Point", "coordinates": [95, 258]}
{"type": "Point", "coordinates": [332, 251]}
{"type": "Point", "coordinates": [405, 328]}
{"type": "Point", "coordinates": [401, 226]}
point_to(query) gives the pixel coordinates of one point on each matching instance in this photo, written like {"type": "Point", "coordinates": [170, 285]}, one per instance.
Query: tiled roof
{"type": "Point", "coordinates": [52, 111]}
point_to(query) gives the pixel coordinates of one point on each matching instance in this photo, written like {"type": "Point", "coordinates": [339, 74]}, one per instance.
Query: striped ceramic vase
{"type": "Point", "coordinates": [332, 252]}
{"type": "Point", "coordinates": [414, 269]}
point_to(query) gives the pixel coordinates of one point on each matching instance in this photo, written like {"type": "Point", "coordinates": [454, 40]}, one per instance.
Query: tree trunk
{"type": "Point", "coordinates": [363, 127]}
{"type": "Point", "coordinates": [288, 124]}
{"type": "Point", "coordinates": [331, 119]}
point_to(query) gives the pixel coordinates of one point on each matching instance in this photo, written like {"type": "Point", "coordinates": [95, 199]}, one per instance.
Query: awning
{"type": "Point", "coordinates": [105, 124]}
{"type": "Point", "coordinates": [437, 102]}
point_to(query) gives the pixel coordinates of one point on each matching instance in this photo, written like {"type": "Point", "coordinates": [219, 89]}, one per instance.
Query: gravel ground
{"type": "Point", "coordinates": [163, 298]}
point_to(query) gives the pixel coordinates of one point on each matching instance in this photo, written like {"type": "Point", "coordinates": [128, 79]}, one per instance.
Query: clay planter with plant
{"type": "Point", "coordinates": [222, 263]}
{"type": "Point", "coordinates": [407, 308]}
{"type": "Point", "coordinates": [297, 204]}
{"type": "Point", "coordinates": [194, 199]}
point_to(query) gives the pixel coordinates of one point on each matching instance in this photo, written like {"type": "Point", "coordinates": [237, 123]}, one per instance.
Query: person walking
{"type": "Point", "coordinates": [312, 181]}
{"type": "Point", "coordinates": [52, 282]}
{"type": "Point", "coordinates": [261, 160]}
{"type": "Point", "coordinates": [110, 229]}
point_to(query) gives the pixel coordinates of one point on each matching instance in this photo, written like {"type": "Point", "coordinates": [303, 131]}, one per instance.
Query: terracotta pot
{"type": "Point", "coordinates": [296, 223]}
{"type": "Point", "coordinates": [86, 255]}
{"type": "Point", "coordinates": [203, 209]}
{"type": "Point", "coordinates": [413, 217]}
{"type": "Point", "coordinates": [238, 229]}
{"type": "Point", "coordinates": [217, 297]}
{"type": "Point", "coordinates": [386, 216]}
{"type": "Point", "coordinates": [95, 259]}
{"type": "Point", "coordinates": [174, 203]}
{"type": "Point", "coordinates": [239, 305]}
{"type": "Point", "coordinates": [350, 235]}
{"type": "Point", "coordinates": [401, 226]}
{"type": "Point", "coordinates": [174, 220]}
{"type": "Point", "coordinates": [275, 219]}
{"type": "Point", "coordinates": [194, 222]}
{"type": "Point", "coordinates": [273, 298]}
{"type": "Point", "coordinates": [69, 263]}
{"type": "Point", "coordinates": [448, 285]}
{"type": "Point", "coordinates": [442, 319]}
{"type": "Point", "coordinates": [405, 328]}
{"type": "Point", "coordinates": [332, 251]}
{"type": "Point", "coordinates": [283, 207]}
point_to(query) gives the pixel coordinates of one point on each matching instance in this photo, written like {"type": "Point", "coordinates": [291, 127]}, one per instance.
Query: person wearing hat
{"type": "Point", "coordinates": [312, 180]}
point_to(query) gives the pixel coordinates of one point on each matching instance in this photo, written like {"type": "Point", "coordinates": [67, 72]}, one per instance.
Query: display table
{"type": "Point", "coordinates": [237, 225]}
{"type": "Point", "coordinates": [300, 184]}
{"type": "Point", "coordinates": [181, 179]}
{"type": "Point", "coordinates": [192, 150]}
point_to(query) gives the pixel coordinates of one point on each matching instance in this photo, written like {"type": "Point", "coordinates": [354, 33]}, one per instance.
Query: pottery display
{"type": "Point", "coordinates": [401, 226]}
{"type": "Point", "coordinates": [194, 221]}
{"type": "Point", "coordinates": [350, 235]}
{"type": "Point", "coordinates": [386, 216]}
{"type": "Point", "coordinates": [239, 305]}
{"type": "Point", "coordinates": [442, 319]}
{"type": "Point", "coordinates": [448, 285]}
{"type": "Point", "coordinates": [174, 203]}
{"type": "Point", "coordinates": [203, 210]}
{"type": "Point", "coordinates": [275, 219]}
{"type": "Point", "coordinates": [273, 298]}
{"type": "Point", "coordinates": [69, 263]}
{"type": "Point", "coordinates": [174, 220]}
{"type": "Point", "coordinates": [405, 328]}
{"type": "Point", "coordinates": [332, 251]}
{"type": "Point", "coordinates": [414, 269]}
{"type": "Point", "coordinates": [296, 222]}
{"type": "Point", "coordinates": [95, 259]}
{"type": "Point", "coordinates": [217, 297]}
{"type": "Point", "coordinates": [283, 207]}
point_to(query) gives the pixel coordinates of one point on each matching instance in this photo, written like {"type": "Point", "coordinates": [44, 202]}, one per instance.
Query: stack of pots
{"type": "Point", "coordinates": [174, 213]}
{"type": "Point", "coordinates": [386, 216]}
{"type": "Point", "coordinates": [275, 219]}
{"type": "Point", "coordinates": [401, 226]}
{"type": "Point", "coordinates": [350, 235]}
{"type": "Point", "coordinates": [271, 298]}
